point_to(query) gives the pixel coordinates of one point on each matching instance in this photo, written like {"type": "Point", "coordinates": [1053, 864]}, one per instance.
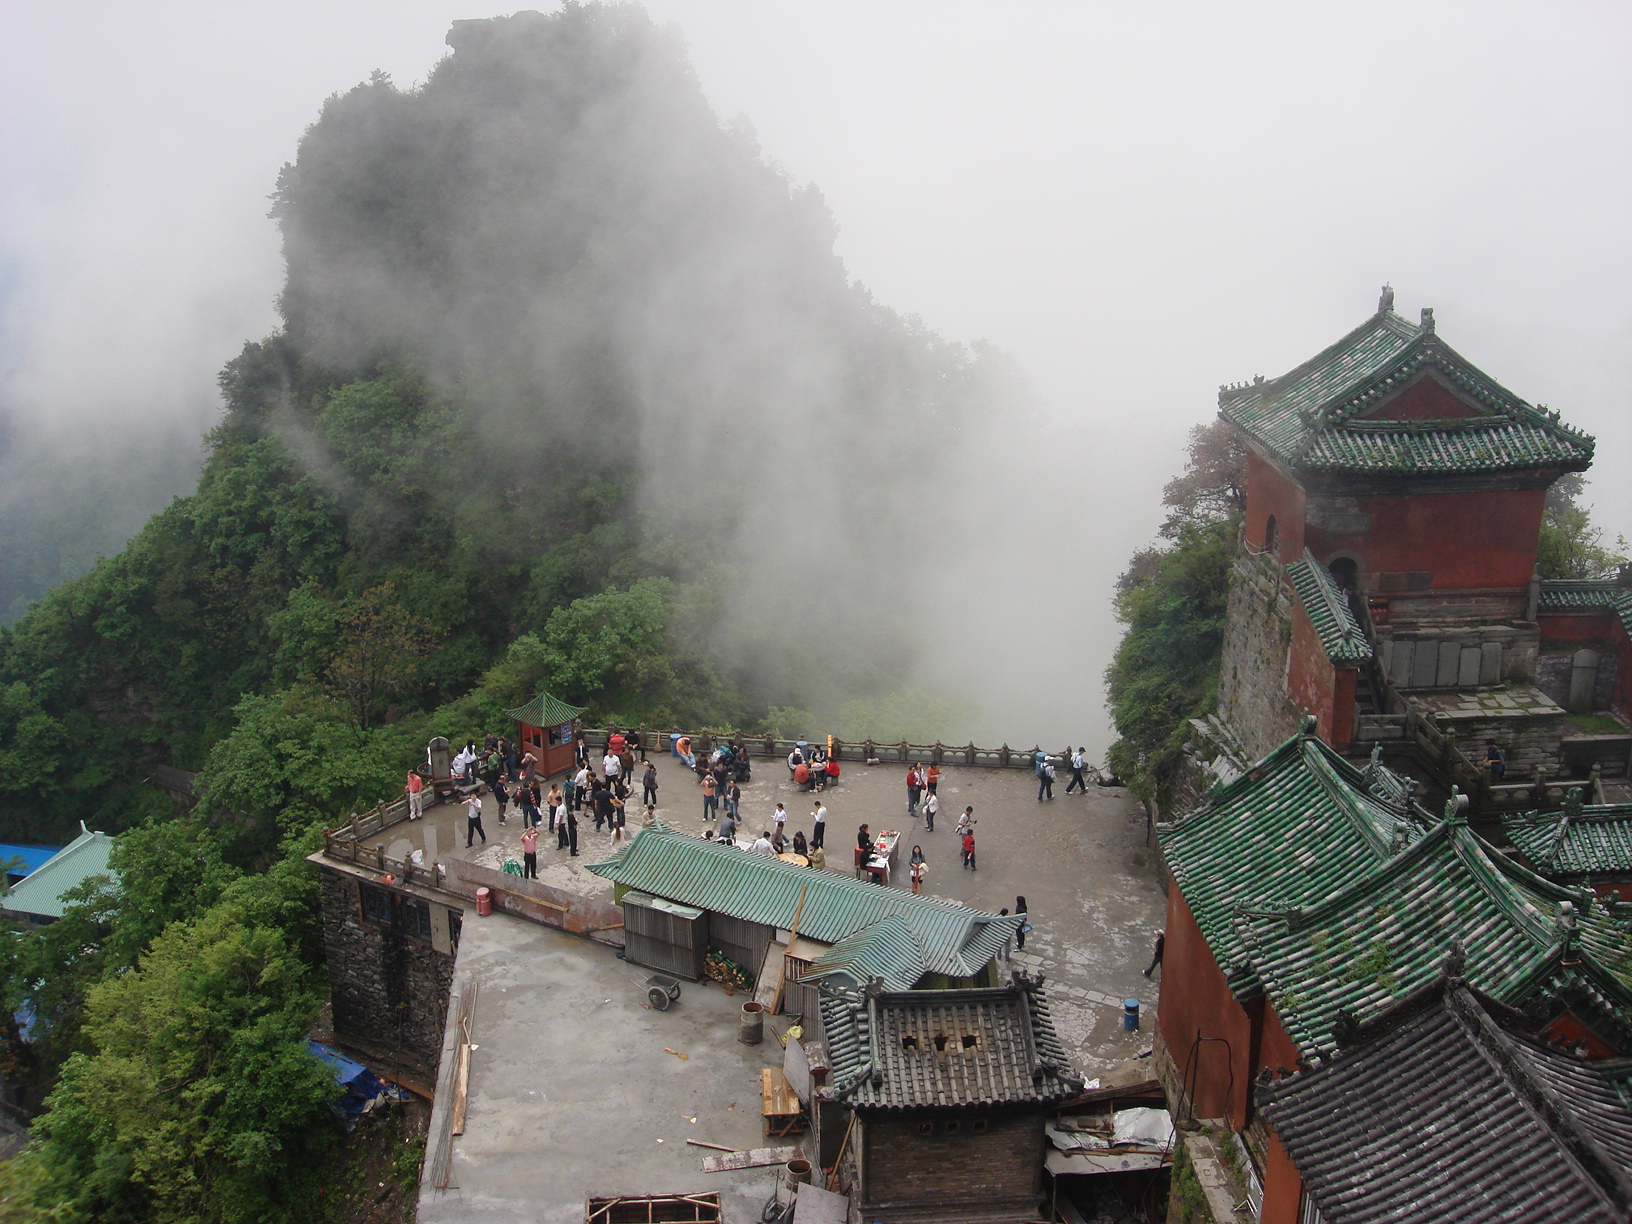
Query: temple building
{"type": "Point", "coordinates": [1387, 580]}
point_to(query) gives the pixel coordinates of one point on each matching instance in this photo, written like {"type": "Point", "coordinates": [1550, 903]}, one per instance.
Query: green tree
{"type": "Point", "coordinates": [199, 1091]}
{"type": "Point", "coordinates": [1571, 546]}
{"type": "Point", "coordinates": [380, 648]}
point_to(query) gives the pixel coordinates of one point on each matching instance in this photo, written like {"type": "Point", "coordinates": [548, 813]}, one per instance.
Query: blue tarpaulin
{"type": "Point", "coordinates": [360, 1087]}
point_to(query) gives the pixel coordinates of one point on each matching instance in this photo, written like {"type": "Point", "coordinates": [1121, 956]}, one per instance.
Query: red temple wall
{"type": "Point", "coordinates": [1271, 493]}
{"type": "Point", "coordinates": [1465, 540]}
{"type": "Point", "coordinates": [1196, 999]}
{"type": "Point", "coordinates": [1311, 680]}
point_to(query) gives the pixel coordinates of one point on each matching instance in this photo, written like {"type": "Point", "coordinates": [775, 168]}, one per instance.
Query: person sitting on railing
{"type": "Point", "coordinates": [681, 747]}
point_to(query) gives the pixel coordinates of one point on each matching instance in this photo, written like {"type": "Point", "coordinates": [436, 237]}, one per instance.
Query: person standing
{"type": "Point", "coordinates": [616, 816]}
{"type": "Point", "coordinates": [818, 820]}
{"type": "Point", "coordinates": [1003, 954]}
{"type": "Point", "coordinates": [648, 786]}
{"type": "Point", "coordinates": [601, 802]}
{"type": "Point", "coordinates": [1045, 780]}
{"type": "Point", "coordinates": [500, 793]}
{"type": "Point", "coordinates": [915, 786]}
{"type": "Point", "coordinates": [1025, 923]}
{"type": "Point", "coordinates": [561, 815]}
{"type": "Point", "coordinates": [582, 778]}
{"type": "Point", "coordinates": [917, 867]}
{"type": "Point", "coordinates": [966, 821]}
{"type": "Point", "coordinates": [1076, 782]}
{"type": "Point", "coordinates": [1496, 760]}
{"type": "Point", "coordinates": [969, 848]}
{"type": "Point", "coordinates": [611, 767]}
{"type": "Point", "coordinates": [527, 801]}
{"type": "Point", "coordinates": [932, 777]}
{"type": "Point", "coordinates": [554, 800]}
{"type": "Point", "coordinates": [733, 799]}
{"type": "Point", "coordinates": [779, 817]}
{"type": "Point", "coordinates": [416, 795]}
{"type": "Point", "coordinates": [529, 853]}
{"type": "Point", "coordinates": [711, 798]}
{"type": "Point", "coordinates": [572, 833]}
{"type": "Point", "coordinates": [932, 809]}
{"type": "Point", "coordinates": [473, 819]}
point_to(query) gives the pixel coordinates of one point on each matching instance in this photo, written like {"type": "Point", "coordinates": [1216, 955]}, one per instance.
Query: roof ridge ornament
{"type": "Point", "coordinates": [1427, 320]}
{"type": "Point", "coordinates": [1386, 302]}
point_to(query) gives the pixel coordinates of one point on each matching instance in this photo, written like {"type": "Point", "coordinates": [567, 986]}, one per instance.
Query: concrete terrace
{"type": "Point", "coordinates": [1080, 861]}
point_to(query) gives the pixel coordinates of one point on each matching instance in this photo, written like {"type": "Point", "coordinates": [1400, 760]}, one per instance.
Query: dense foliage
{"type": "Point", "coordinates": [1571, 547]}
{"type": "Point", "coordinates": [1172, 599]}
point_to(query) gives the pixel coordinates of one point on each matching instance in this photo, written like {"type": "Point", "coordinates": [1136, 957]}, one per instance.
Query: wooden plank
{"type": "Point", "coordinates": [461, 1088]}
{"type": "Point", "coordinates": [753, 1158]}
{"type": "Point", "coordinates": [770, 977]}
{"type": "Point", "coordinates": [782, 961]}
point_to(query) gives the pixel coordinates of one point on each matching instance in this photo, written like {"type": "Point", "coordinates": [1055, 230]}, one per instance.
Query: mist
{"type": "Point", "coordinates": [1138, 205]}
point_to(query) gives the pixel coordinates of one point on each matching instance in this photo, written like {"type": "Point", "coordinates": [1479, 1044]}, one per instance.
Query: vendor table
{"type": "Point", "coordinates": [779, 1104]}
{"type": "Point", "coordinates": [882, 863]}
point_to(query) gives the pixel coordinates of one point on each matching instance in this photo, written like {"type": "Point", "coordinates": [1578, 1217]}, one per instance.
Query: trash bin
{"type": "Point", "coordinates": [484, 903]}
{"type": "Point", "coordinates": [1130, 1014]}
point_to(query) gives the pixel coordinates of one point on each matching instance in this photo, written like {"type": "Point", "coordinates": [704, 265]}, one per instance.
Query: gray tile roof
{"type": "Point", "coordinates": [1446, 1109]}
{"type": "Point", "coordinates": [1328, 611]}
{"type": "Point", "coordinates": [951, 939]}
{"type": "Point", "coordinates": [1313, 417]}
{"type": "Point", "coordinates": [920, 1049]}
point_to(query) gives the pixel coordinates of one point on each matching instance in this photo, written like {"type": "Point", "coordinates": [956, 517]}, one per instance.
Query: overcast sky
{"type": "Point", "coordinates": [1140, 201]}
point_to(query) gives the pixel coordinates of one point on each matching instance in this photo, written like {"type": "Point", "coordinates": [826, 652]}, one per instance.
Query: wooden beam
{"type": "Point", "coordinates": [793, 934]}
{"type": "Point", "coordinates": [754, 1158]}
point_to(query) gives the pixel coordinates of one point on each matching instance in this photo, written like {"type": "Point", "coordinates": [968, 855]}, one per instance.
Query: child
{"type": "Point", "coordinates": [969, 848]}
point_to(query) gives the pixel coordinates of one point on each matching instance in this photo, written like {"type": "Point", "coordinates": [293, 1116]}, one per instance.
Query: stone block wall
{"type": "Point", "coordinates": [1555, 670]}
{"type": "Point", "coordinates": [1528, 739]}
{"type": "Point", "coordinates": [1460, 656]}
{"type": "Point", "coordinates": [991, 1175]}
{"type": "Point", "coordinates": [1252, 696]}
{"type": "Point", "coordinates": [389, 989]}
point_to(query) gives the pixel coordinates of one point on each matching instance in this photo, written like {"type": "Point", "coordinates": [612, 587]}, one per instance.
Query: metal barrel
{"type": "Point", "coordinates": [752, 1031]}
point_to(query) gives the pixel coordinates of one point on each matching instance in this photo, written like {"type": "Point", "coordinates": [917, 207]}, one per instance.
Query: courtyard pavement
{"type": "Point", "coordinates": [1081, 861]}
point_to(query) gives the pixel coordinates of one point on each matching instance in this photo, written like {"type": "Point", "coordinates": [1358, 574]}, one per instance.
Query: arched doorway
{"type": "Point", "coordinates": [1346, 572]}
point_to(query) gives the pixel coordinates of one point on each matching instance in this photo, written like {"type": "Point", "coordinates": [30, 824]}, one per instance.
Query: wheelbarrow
{"type": "Point", "coordinates": [661, 991]}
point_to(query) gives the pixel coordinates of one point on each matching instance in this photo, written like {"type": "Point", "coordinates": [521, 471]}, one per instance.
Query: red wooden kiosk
{"type": "Point", "coordinates": [545, 727]}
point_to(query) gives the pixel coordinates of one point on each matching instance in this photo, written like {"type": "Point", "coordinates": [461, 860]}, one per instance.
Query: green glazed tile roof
{"type": "Point", "coordinates": [1295, 827]}
{"type": "Point", "coordinates": [546, 711]}
{"type": "Point", "coordinates": [885, 950]}
{"type": "Point", "coordinates": [1567, 596]}
{"type": "Point", "coordinates": [41, 893]}
{"type": "Point", "coordinates": [1312, 418]}
{"type": "Point", "coordinates": [1595, 839]}
{"type": "Point", "coordinates": [882, 1051]}
{"type": "Point", "coordinates": [951, 938]}
{"type": "Point", "coordinates": [1328, 611]}
{"type": "Point", "coordinates": [1384, 935]}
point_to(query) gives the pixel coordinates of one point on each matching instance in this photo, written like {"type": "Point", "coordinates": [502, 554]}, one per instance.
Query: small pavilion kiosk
{"type": "Point", "coordinates": [545, 727]}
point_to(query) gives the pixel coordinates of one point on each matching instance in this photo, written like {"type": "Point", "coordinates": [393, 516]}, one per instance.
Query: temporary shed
{"type": "Point", "coordinates": [544, 727]}
{"type": "Point", "coordinates": [38, 899]}
{"type": "Point", "coordinates": [25, 860]}
{"type": "Point", "coordinates": [749, 897]}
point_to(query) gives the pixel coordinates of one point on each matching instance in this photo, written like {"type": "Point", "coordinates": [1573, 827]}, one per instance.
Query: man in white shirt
{"type": "Point", "coordinates": [581, 786]}
{"type": "Point", "coordinates": [763, 845]}
{"type": "Point", "coordinates": [1076, 782]}
{"type": "Point", "coordinates": [818, 820]}
{"type": "Point", "coordinates": [611, 767]}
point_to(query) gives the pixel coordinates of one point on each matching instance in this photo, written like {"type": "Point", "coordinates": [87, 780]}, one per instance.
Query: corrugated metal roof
{"type": "Point", "coordinates": [884, 950]}
{"type": "Point", "coordinates": [1313, 416]}
{"type": "Point", "coordinates": [41, 893]}
{"type": "Point", "coordinates": [546, 711]}
{"type": "Point", "coordinates": [31, 858]}
{"type": "Point", "coordinates": [1328, 611]}
{"type": "Point", "coordinates": [945, 1048]}
{"type": "Point", "coordinates": [952, 939]}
